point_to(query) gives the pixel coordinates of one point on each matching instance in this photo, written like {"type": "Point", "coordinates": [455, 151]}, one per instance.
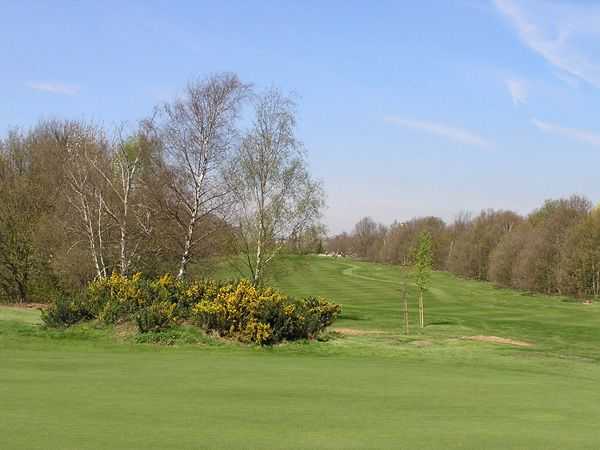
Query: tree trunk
{"type": "Point", "coordinates": [189, 238]}
{"type": "Point", "coordinates": [91, 239]}
{"type": "Point", "coordinates": [100, 258]}
{"type": "Point", "coordinates": [258, 266]}
{"type": "Point", "coordinates": [124, 262]}
{"type": "Point", "coordinates": [21, 282]}
{"type": "Point", "coordinates": [406, 330]}
{"type": "Point", "coordinates": [421, 310]}
{"type": "Point", "coordinates": [185, 258]}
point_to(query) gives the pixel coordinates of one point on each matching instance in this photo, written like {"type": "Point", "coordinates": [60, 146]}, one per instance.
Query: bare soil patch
{"type": "Point", "coordinates": [499, 340]}
{"type": "Point", "coordinates": [125, 330]}
{"type": "Point", "coordinates": [357, 332]}
{"type": "Point", "coordinates": [25, 305]}
{"type": "Point", "coordinates": [421, 343]}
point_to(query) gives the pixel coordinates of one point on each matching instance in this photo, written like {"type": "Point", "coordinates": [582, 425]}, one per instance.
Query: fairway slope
{"type": "Point", "coordinates": [464, 382]}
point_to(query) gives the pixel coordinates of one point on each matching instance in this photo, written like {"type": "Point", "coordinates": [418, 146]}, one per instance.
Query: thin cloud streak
{"type": "Point", "coordinates": [439, 129]}
{"type": "Point", "coordinates": [585, 136]}
{"type": "Point", "coordinates": [54, 88]}
{"type": "Point", "coordinates": [553, 36]}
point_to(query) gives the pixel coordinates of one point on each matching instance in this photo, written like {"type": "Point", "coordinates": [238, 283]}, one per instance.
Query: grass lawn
{"type": "Point", "coordinates": [368, 387]}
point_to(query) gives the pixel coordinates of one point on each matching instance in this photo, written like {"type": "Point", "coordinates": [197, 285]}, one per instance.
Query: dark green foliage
{"type": "Point", "coordinates": [175, 336]}
{"type": "Point", "coordinates": [319, 314]}
{"type": "Point", "coordinates": [423, 260]}
{"type": "Point", "coordinates": [65, 311]}
{"type": "Point", "coordinates": [423, 264]}
{"type": "Point", "coordinates": [157, 316]}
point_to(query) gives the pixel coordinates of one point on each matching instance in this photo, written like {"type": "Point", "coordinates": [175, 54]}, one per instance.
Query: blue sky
{"type": "Point", "coordinates": [406, 108]}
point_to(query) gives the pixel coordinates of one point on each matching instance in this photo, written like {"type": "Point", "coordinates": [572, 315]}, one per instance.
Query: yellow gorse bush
{"type": "Point", "coordinates": [237, 309]}
{"type": "Point", "coordinates": [263, 316]}
{"type": "Point", "coordinates": [113, 297]}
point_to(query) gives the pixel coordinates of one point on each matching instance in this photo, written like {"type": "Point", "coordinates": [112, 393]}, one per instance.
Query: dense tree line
{"type": "Point", "coordinates": [554, 250]}
{"type": "Point", "coordinates": [217, 171]}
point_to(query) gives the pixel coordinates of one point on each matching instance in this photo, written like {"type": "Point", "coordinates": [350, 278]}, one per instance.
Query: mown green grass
{"type": "Point", "coordinates": [371, 296]}
{"type": "Point", "coordinates": [88, 388]}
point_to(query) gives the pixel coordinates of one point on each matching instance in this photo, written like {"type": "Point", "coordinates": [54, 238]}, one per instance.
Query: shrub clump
{"type": "Point", "coordinates": [235, 310]}
{"type": "Point", "coordinates": [154, 304]}
{"type": "Point", "coordinates": [263, 316]}
{"type": "Point", "coordinates": [65, 311]}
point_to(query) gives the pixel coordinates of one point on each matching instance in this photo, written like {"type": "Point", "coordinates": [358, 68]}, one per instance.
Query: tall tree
{"type": "Point", "coordinates": [276, 198]}
{"type": "Point", "coordinates": [120, 172]}
{"type": "Point", "coordinates": [30, 177]}
{"type": "Point", "coordinates": [86, 148]}
{"type": "Point", "coordinates": [198, 131]}
{"type": "Point", "coordinates": [18, 213]}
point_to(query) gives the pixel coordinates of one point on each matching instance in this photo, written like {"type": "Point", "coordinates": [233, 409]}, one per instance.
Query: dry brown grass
{"type": "Point", "coordinates": [357, 332]}
{"type": "Point", "coordinates": [499, 340]}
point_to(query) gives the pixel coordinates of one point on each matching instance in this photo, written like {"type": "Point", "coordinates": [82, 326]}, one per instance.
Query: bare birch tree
{"type": "Point", "coordinates": [84, 192]}
{"type": "Point", "coordinates": [198, 131]}
{"type": "Point", "coordinates": [275, 195]}
{"type": "Point", "coordinates": [120, 177]}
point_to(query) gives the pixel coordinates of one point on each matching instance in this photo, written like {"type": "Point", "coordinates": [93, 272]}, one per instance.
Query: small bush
{"type": "Point", "coordinates": [65, 311]}
{"type": "Point", "coordinates": [320, 313]}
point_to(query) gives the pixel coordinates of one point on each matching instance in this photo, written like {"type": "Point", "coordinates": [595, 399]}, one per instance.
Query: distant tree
{"type": "Point", "coordinates": [460, 226]}
{"type": "Point", "coordinates": [423, 265]}
{"type": "Point", "coordinates": [309, 240]}
{"type": "Point", "coordinates": [401, 240]}
{"type": "Point", "coordinates": [580, 262]}
{"type": "Point", "coordinates": [472, 247]}
{"type": "Point", "coordinates": [504, 257]}
{"type": "Point", "coordinates": [340, 244]}
{"type": "Point", "coordinates": [365, 236]}
{"type": "Point", "coordinates": [539, 264]}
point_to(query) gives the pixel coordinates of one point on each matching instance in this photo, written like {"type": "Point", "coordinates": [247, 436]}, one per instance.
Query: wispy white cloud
{"type": "Point", "coordinates": [569, 80]}
{"type": "Point", "coordinates": [443, 130]}
{"type": "Point", "coordinates": [556, 31]}
{"type": "Point", "coordinates": [517, 90]}
{"type": "Point", "coordinates": [54, 88]}
{"type": "Point", "coordinates": [585, 136]}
